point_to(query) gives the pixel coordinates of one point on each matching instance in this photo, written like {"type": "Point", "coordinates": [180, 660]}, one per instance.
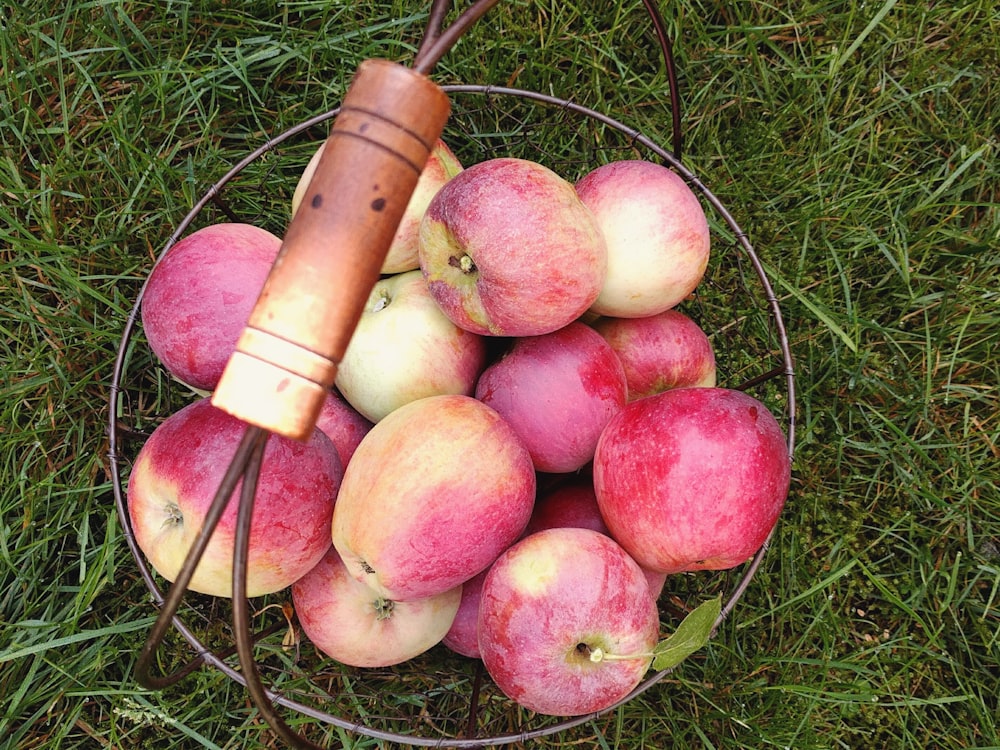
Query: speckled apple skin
{"type": "Point", "coordinates": [178, 471]}
{"type": "Point", "coordinates": [692, 478]}
{"type": "Point", "coordinates": [199, 297]}
{"type": "Point", "coordinates": [432, 495]}
{"type": "Point", "coordinates": [538, 258]}
{"type": "Point", "coordinates": [550, 592]}
{"type": "Point", "coordinates": [657, 236]}
{"type": "Point", "coordinates": [558, 391]}
{"type": "Point", "coordinates": [352, 624]}
{"type": "Point", "coordinates": [575, 505]}
{"type": "Point", "coordinates": [662, 351]}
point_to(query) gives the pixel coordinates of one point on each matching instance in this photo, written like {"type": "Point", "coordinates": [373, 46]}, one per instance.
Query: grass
{"type": "Point", "coordinates": [856, 143]}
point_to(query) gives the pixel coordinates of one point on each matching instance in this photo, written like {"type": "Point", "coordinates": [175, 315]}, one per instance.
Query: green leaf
{"type": "Point", "coordinates": [694, 632]}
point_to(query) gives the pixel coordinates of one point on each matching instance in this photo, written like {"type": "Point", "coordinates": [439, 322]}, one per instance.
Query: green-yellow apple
{"type": "Point", "coordinates": [661, 351]}
{"type": "Point", "coordinates": [351, 623]}
{"type": "Point", "coordinates": [656, 233]}
{"type": "Point", "coordinates": [442, 165]}
{"type": "Point", "coordinates": [434, 492]}
{"type": "Point", "coordinates": [567, 625]}
{"type": "Point", "coordinates": [404, 348]}
{"type": "Point", "coordinates": [692, 478]}
{"type": "Point", "coordinates": [509, 249]}
{"type": "Point", "coordinates": [557, 390]}
{"type": "Point", "coordinates": [199, 295]}
{"type": "Point", "coordinates": [177, 473]}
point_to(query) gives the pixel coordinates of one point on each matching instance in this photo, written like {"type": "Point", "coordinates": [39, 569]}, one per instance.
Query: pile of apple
{"type": "Point", "coordinates": [525, 440]}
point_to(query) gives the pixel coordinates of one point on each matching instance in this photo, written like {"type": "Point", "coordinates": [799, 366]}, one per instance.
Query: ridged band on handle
{"type": "Point", "coordinates": [287, 357]}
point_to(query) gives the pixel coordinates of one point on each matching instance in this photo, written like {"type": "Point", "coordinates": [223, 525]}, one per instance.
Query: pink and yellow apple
{"type": "Point", "coordinates": [176, 475]}
{"type": "Point", "coordinates": [434, 492]}
{"type": "Point", "coordinates": [508, 249]}
{"type": "Point", "coordinates": [656, 233]}
{"type": "Point", "coordinates": [463, 635]}
{"type": "Point", "coordinates": [661, 351]}
{"type": "Point", "coordinates": [567, 625]}
{"type": "Point", "coordinates": [199, 296]}
{"type": "Point", "coordinates": [442, 165]}
{"type": "Point", "coordinates": [404, 348]}
{"type": "Point", "coordinates": [558, 391]}
{"type": "Point", "coordinates": [692, 478]}
{"type": "Point", "coordinates": [356, 626]}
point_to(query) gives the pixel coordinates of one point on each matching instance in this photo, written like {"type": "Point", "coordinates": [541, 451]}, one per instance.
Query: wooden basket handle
{"type": "Point", "coordinates": [287, 356]}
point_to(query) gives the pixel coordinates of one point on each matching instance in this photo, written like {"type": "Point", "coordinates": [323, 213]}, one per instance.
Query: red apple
{"type": "Point", "coordinates": [463, 636]}
{"type": "Point", "coordinates": [656, 233]}
{"type": "Point", "coordinates": [177, 473]}
{"type": "Point", "coordinates": [508, 249]}
{"type": "Point", "coordinates": [434, 492]}
{"type": "Point", "coordinates": [442, 165]}
{"type": "Point", "coordinates": [558, 391]}
{"type": "Point", "coordinates": [404, 348]}
{"type": "Point", "coordinates": [692, 478]}
{"type": "Point", "coordinates": [343, 424]}
{"type": "Point", "coordinates": [666, 350]}
{"type": "Point", "coordinates": [199, 296]}
{"type": "Point", "coordinates": [575, 505]}
{"type": "Point", "coordinates": [356, 626]}
{"type": "Point", "coordinates": [566, 622]}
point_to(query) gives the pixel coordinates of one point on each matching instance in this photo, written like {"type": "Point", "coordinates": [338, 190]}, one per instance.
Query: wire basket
{"type": "Point", "coordinates": [441, 699]}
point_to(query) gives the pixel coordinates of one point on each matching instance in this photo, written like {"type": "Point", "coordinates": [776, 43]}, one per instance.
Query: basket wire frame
{"type": "Point", "coordinates": [219, 658]}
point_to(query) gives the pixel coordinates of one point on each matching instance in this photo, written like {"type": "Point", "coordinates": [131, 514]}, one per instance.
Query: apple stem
{"type": "Point", "coordinates": [599, 654]}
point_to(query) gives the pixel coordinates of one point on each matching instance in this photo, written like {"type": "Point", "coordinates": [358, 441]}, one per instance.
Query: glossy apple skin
{"type": "Point", "coordinates": [508, 249]}
{"type": "Point", "coordinates": [199, 296]}
{"type": "Point", "coordinates": [177, 473]}
{"type": "Point", "coordinates": [575, 505]}
{"type": "Point", "coordinates": [405, 348]}
{"type": "Point", "coordinates": [343, 424]}
{"type": "Point", "coordinates": [463, 635]}
{"type": "Point", "coordinates": [442, 165]}
{"type": "Point", "coordinates": [354, 625]}
{"type": "Point", "coordinates": [656, 233]}
{"type": "Point", "coordinates": [692, 478]}
{"type": "Point", "coordinates": [661, 351]}
{"type": "Point", "coordinates": [434, 492]}
{"type": "Point", "coordinates": [558, 391]}
{"type": "Point", "coordinates": [547, 595]}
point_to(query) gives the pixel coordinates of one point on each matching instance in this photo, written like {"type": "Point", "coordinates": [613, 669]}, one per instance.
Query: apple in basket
{"type": "Point", "coordinates": [574, 504]}
{"type": "Point", "coordinates": [177, 473]}
{"type": "Point", "coordinates": [433, 494]}
{"type": "Point", "coordinates": [404, 348]}
{"type": "Point", "coordinates": [343, 424]}
{"type": "Point", "coordinates": [661, 351]}
{"type": "Point", "coordinates": [692, 478]}
{"type": "Point", "coordinates": [558, 391]}
{"type": "Point", "coordinates": [463, 635]}
{"type": "Point", "coordinates": [351, 623]}
{"type": "Point", "coordinates": [656, 233]}
{"type": "Point", "coordinates": [566, 622]}
{"type": "Point", "coordinates": [199, 295]}
{"type": "Point", "coordinates": [508, 249]}
{"type": "Point", "coordinates": [441, 166]}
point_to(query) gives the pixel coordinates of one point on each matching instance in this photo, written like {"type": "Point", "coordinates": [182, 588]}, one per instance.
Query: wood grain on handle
{"type": "Point", "coordinates": [287, 357]}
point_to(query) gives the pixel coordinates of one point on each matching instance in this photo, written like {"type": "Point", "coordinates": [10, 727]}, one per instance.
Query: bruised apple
{"type": "Point", "coordinates": [177, 473]}
{"type": "Point", "coordinates": [433, 494]}
{"type": "Point", "coordinates": [508, 249]}
{"type": "Point", "coordinates": [199, 296]}
{"type": "Point", "coordinates": [692, 478]}
{"type": "Point", "coordinates": [566, 622]}
{"type": "Point", "coordinates": [353, 624]}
